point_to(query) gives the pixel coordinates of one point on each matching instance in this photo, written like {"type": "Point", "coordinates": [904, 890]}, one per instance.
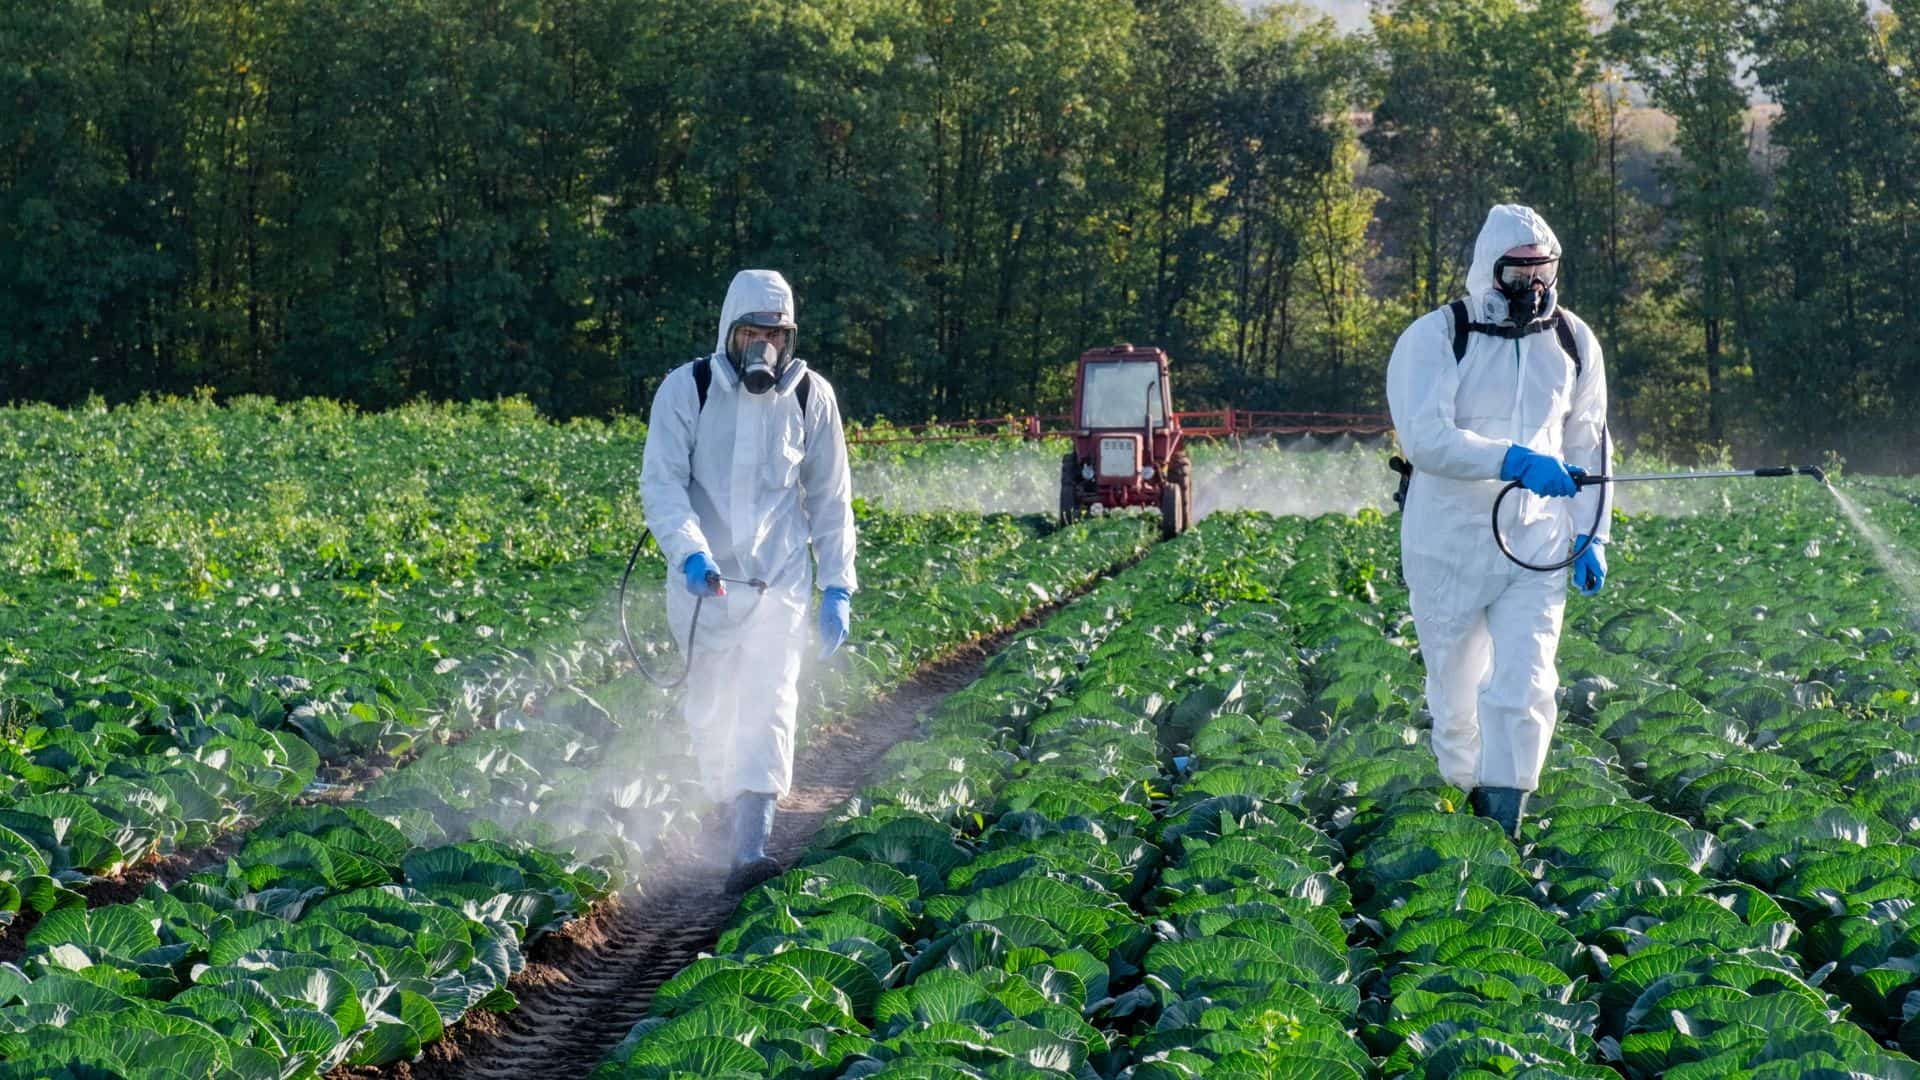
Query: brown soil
{"type": "Point", "coordinates": [128, 884]}
{"type": "Point", "coordinates": [344, 780]}
{"type": "Point", "coordinates": [586, 985]}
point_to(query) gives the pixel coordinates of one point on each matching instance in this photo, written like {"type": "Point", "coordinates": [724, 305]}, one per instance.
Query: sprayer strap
{"type": "Point", "coordinates": [703, 381]}
{"type": "Point", "coordinates": [1463, 325]}
{"type": "Point", "coordinates": [1563, 330]}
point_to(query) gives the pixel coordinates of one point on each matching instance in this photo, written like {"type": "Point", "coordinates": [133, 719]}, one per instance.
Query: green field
{"type": "Point", "coordinates": [374, 656]}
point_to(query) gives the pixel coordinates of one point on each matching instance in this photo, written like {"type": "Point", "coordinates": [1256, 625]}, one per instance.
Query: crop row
{"type": "Point", "coordinates": [1659, 945]}
{"type": "Point", "coordinates": [1311, 906]}
{"type": "Point", "coordinates": [1785, 728]}
{"type": "Point", "coordinates": [355, 934]}
{"type": "Point", "coordinates": [111, 765]}
{"type": "Point", "coordinates": [203, 605]}
{"type": "Point", "coordinates": [983, 909]}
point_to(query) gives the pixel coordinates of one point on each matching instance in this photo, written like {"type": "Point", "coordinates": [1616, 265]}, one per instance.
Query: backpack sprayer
{"type": "Point", "coordinates": [714, 581]}
{"type": "Point", "coordinates": [1585, 480]}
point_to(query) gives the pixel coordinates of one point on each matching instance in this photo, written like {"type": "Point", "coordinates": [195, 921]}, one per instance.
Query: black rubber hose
{"type": "Point", "coordinates": [627, 638]}
{"type": "Point", "coordinates": [1598, 512]}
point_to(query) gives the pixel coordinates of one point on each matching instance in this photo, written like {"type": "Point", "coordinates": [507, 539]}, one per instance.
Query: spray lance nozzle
{"type": "Point", "coordinates": [1817, 473]}
{"type": "Point", "coordinates": [1814, 471]}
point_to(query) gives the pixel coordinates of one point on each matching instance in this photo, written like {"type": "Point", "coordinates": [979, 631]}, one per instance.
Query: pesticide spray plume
{"type": "Point", "coordinates": [987, 476]}
{"type": "Point", "coordinates": [1302, 474]}
{"type": "Point", "coordinates": [1899, 568]}
{"type": "Point", "coordinates": [561, 743]}
{"type": "Point", "coordinates": [1289, 475]}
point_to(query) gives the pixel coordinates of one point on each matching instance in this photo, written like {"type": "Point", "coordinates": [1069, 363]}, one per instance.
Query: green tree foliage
{"type": "Point", "coordinates": [1684, 52]}
{"type": "Point", "coordinates": [386, 200]}
{"type": "Point", "coordinates": [1441, 129]}
{"type": "Point", "coordinates": [1836, 342]}
{"type": "Point", "coordinates": [380, 200]}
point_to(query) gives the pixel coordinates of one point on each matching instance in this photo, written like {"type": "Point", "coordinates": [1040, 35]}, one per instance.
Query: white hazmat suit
{"type": "Point", "coordinates": [1489, 629]}
{"type": "Point", "coordinates": [753, 482]}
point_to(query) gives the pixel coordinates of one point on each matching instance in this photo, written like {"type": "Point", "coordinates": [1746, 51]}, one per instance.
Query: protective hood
{"type": "Point", "coordinates": [1508, 226]}
{"type": "Point", "coordinates": [755, 290]}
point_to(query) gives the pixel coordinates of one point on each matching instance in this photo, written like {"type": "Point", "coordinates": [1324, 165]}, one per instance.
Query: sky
{"type": "Point", "coordinates": [1352, 14]}
{"type": "Point", "coordinates": [1349, 14]}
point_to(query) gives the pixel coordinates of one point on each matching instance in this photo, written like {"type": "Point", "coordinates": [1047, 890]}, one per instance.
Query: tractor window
{"type": "Point", "coordinates": [1116, 395]}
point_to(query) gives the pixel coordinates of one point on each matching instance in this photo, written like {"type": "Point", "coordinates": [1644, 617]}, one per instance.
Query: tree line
{"type": "Point", "coordinates": [379, 200]}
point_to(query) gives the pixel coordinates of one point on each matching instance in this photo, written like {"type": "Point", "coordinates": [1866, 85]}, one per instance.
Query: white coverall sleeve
{"type": "Point", "coordinates": [1586, 442]}
{"type": "Point", "coordinates": [1422, 380]}
{"type": "Point", "coordinates": [666, 471]}
{"type": "Point", "coordinates": [827, 484]}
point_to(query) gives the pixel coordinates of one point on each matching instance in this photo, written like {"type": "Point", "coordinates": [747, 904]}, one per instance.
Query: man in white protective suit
{"type": "Point", "coordinates": [1504, 385]}
{"type": "Point", "coordinates": [745, 469]}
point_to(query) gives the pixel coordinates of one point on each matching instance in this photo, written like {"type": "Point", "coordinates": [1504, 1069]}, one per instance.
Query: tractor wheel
{"type": "Point", "coordinates": [1173, 512]}
{"type": "Point", "coordinates": [1180, 472]}
{"type": "Point", "coordinates": [1069, 481]}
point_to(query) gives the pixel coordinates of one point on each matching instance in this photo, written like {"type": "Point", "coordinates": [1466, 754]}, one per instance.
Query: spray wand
{"type": "Point", "coordinates": [1590, 480]}
{"type": "Point", "coordinates": [714, 581]}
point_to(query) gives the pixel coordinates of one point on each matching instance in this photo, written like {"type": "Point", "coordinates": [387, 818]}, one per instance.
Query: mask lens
{"type": "Point", "coordinates": [1522, 275]}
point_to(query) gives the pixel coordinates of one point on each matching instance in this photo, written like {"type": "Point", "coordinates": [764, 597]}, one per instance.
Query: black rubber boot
{"type": "Point", "coordinates": [717, 828]}
{"type": "Point", "coordinates": [752, 826]}
{"type": "Point", "coordinates": [1503, 805]}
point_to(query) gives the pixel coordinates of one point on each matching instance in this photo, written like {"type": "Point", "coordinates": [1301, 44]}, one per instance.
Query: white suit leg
{"type": "Point", "coordinates": [743, 704]}
{"type": "Point", "coordinates": [1450, 616]}
{"type": "Point", "coordinates": [1517, 709]}
{"type": "Point", "coordinates": [769, 704]}
{"type": "Point", "coordinates": [712, 706]}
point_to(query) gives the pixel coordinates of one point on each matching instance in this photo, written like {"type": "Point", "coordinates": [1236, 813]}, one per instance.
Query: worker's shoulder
{"type": "Point", "coordinates": [1585, 340]}
{"type": "Point", "coordinates": [820, 383]}
{"type": "Point", "coordinates": [817, 387]}
{"type": "Point", "coordinates": [684, 372]}
{"type": "Point", "coordinates": [679, 388]}
{"type": "Point", "coordinates": [1579, 324]}
{"type": "Point", "coordinates": [1434, 326]}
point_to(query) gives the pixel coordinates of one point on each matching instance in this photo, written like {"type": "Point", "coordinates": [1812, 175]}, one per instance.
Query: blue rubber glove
{"type": "Point", "coordinates": [697, 567]}
{"type": "Point", "coordinates": [1537, 472]}
{"type": "Point", "coordinates": [1590, 569]}
{"type": "Point", "coordinates": [836, 612]}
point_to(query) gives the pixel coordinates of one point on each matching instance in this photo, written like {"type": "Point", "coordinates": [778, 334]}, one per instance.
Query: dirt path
{"type": "Point", "coordinates": [587, 984]}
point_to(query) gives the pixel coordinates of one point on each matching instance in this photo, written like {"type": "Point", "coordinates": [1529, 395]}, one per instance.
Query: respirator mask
{"type": "Point", "coordinates": [760, 354]}
{"type": "Point", "coordinates": [1527, 282]}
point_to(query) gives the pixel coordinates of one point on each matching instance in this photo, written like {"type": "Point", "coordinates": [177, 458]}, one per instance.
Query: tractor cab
{"type": "Point", "coordinates": [1127, 445]}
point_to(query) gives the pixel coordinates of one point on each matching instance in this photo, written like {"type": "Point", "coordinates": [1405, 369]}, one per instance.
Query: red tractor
{"type": "Point", "coordinates": [1127, 442]}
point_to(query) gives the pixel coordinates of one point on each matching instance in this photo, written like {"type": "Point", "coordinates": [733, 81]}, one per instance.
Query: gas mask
{"type": "Point", "coordinates": [760, 362]}
{"type": "Point", "coordinates": [759, 366]}
{"type": "Point", "coordinates": [1527, 283]}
